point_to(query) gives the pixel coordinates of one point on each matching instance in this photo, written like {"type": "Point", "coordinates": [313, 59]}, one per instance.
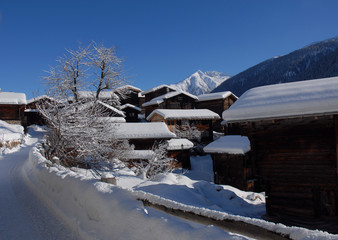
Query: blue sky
{"type": "Point", "coordinates": [162, 42]}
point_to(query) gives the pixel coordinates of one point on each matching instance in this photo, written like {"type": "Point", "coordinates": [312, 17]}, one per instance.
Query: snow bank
{"type": "Point", "coordinates": [231, 144]}
{"type": "Point", "coordinates": [97, 210]}
{"type": "Point", "coordinates": [10, 135]}
{"type": "Point", "coordinates": [312, 97]}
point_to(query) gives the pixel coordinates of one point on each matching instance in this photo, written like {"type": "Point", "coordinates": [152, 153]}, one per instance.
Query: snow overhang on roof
{"type": "Point", "coordinates": [128, 86]}
{"type": "Point", "coordinates": [139, 154]}
{"type": "Point", "coordinates": [157, 88]}
{"type": "Point", "coordinates": [153, 130]}
{"type": "Point", "coordinates": [40, 98]}
{"type": "Point", "coordinates": [188, 114]}
{"type": "Point", "coordinates": [160, 99]}
{"type": "Point", "coordinates": [297, 99]}
{"type": "Point", "coordinates": [112, 108]}
{"type": "Point", "coordinates": [179, 144]}
{"type": "Point", "coordinates": [215, 96]}
{"type": "Point", "coordinates": [231, 144]}
{"type": "Point", "coordinates": [11, 98]}
{"type": "Point", "coordinates": [130, 106]}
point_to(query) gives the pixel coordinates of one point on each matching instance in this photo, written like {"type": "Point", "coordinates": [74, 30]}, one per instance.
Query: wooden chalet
{"type": "Point", "coordinates": [201, 119]}
{"type": "Point", "coordinates": [109, 111]}
{"type": "Point", "coordinates": [32, 114]}
{"type": "Point", "coordinates": [216, 102]}
{"type": "Point", "coordinates": [171, 100]}
{"type": "Point", "coordinates": [231, 162]}
{"type": "Point", "coordinates": [293, 130]}
{"type": "Point", "coordinates": [157, 91]}
{"type": "Point", "coordinates": [132, 112]}
{"type": "Point", "coordinates": [128, 95]}
{"type": "Point", "coordinates": [179, 149]}
{"type": "Point", "coordinates": [142, 135]}
{"type": "Point", "coordinates": [12, 106]}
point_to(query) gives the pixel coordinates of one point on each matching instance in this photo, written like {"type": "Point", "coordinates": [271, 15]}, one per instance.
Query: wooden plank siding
{"type": "Point", "coordinates": [12, 113]}
{"type": "Point", "coordinates": [297, 158]}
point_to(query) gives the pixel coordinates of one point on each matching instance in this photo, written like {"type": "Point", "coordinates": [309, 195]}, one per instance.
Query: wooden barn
{"type": "Point", "coordinates": [171, 100]}
{"type": "Point", "coordinates": [32, 114]}
{"type": "Point", "coordinates": [179, 149]}
{"type": "Point", "coordinates": [142, 135]}
{"type": "Point", "coordinates": [201, 119]}
{"type": "Point", "coordinates": [12, 106]}
{"type": "Point", "coordinates": [216, 102]}
{"type": "Point", "coordinates": [293, 130]}
{"type": "Point", "coordinates": [157, 91]}
{"type": "Point", "coordinates": [132, 112]}
{"type": "Point", "coordinates": [231, 162]}
{"type": "Point", "coordinates": [128, 95]}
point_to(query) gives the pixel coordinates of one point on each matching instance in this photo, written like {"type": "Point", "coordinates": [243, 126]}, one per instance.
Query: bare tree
{"type": "Point", "coordinates": [189, 132]}
{"type": "Point", "coordinates": [158, 163]}
{"type": "Point", "coordinates": [107, 68]}
{"type": "Point", "coordinates": [69, 76]}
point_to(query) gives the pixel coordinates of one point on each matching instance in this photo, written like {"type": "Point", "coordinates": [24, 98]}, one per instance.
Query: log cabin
{"type": "Point", "coordinates": [32, 114]}
{"type": "Point", "coordinates": [132, 112]}
{"type": "Point", "coordinates": [179, 149]}
{"type": "Point", "coordinates": [216, 102]}
{"type": "Point", "coordinates": [171, 100]}
{"type": "Point", "coordinates": [293, 130]}
{"type": "Point", "coordinates": [231, 162]}
{"type": "Point", "coordinates": [128, 95]}
{"type": "Point", "coordinates": [157, 91]}
{"type": "Point", "coordinates": [142, 135]}
{"type": "Point", "coordinates": [181, 119]}
{"type": "Point", "coordinates": [12, 106]}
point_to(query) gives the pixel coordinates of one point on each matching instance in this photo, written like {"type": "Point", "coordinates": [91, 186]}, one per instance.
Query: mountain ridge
{"type": "Point", "coordinates": [317, 60]}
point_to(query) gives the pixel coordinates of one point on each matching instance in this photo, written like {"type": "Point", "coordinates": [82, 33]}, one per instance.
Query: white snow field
{"type": "Point", "coordinates": [22, 214]}
{"type": "Point", "coordinates": [74, 204]}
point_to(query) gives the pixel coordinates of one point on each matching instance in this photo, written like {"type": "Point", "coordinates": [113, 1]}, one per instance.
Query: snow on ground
{"type": "Point", "coordinates": [10, 134]}
{"type": "Point", "coordinates": [82, 207]}
{"type": "Point", "coordinates": [22, 215]}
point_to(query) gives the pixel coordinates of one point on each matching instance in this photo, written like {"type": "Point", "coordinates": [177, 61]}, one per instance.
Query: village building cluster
{"type": "Point", "coordinates": [281, 139]}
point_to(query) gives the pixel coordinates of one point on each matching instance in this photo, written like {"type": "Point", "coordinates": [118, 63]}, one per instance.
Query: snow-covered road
{"type": "Point", "coordinates": [22, 215]}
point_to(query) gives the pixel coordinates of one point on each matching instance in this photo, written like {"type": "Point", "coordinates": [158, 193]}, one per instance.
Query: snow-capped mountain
{"type": "Point", "coordinates": [318, 60]}
{"type": "Point", "coordinates": [201, 82]}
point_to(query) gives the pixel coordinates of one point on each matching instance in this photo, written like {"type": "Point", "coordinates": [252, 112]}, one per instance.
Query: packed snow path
{"type": "Point", "coordinates": [22, 215]}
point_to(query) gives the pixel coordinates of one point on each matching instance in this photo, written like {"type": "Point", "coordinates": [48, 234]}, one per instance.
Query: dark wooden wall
{"type": "Point", "coordinates": [12, 112]}
{"type": "Point", "coordinates": [298, 161]}
{"type": "Point", "coordinates": [233, 169]}
{"type": "Point", "coordinates": [157, 93]}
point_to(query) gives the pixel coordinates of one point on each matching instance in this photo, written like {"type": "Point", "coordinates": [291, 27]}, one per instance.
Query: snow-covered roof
{"type": "Point", "coordinates": [39, 98]}
{"type": "Point", "coordinates": [215, 96]}
{"type": "Point", "coordinates": [130, 106]}
{"type": "Point", "coordinates": [112, 108]}
{"type": "Point", "coordinates": [160, 99]}
{"type": "Point", "coordinates": [112, 119]}
{"type": "Point", "coordinates": [92, 94]}
{"type": "Point", "coordinates": [128, 86]}
{"type": "Point", "coordinates": [157, 88]}
{"type": "Point", "coordinates": [305, 98]}
{"type": "Point", "coordinates": [179, 144]}
{"type": "Point", "coordinates": [189, 114]}
{"type": "Point", "coordinates": [157, 130]}
{"type": "Point", "coordinates": [12, 98]}
{"type": "Point", "coordinates": [139, 154]}
{"type": "Point", "coordinates": [231, 144]}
